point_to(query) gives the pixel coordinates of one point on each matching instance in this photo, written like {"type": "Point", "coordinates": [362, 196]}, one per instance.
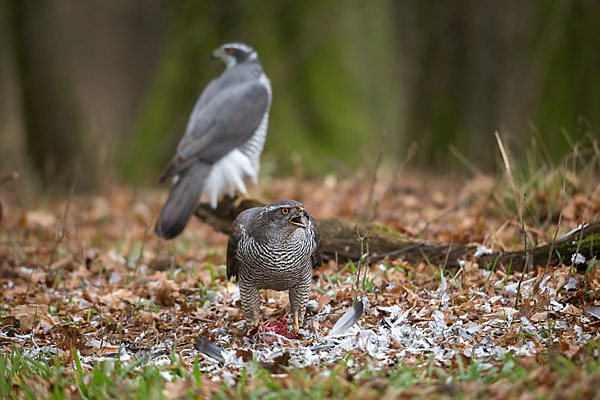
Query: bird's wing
{"type": "Point", "coordinates": [240, 224]}
{"type": "Point", "coordinates": [317, 256]}
{"type": "Point", "coordinates": [220, 123]}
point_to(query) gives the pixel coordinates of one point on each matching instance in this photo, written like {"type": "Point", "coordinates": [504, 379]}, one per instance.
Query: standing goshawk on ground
{"type": "Point", "coordinates": [223, 140]}
{"type": "Point", "coordinates": [274, 247]}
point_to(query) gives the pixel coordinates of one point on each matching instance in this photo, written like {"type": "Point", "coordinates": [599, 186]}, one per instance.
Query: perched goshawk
{"type": "Point", "coordinates": [274, 247]}
{"type": "Point", "coordinates": [223, 140]}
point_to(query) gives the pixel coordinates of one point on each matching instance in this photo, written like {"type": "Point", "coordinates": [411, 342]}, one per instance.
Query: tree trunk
{"type": "Point", "coordinates": [341, 240]}
{"type": "Point", "coordinates": [50, 111]}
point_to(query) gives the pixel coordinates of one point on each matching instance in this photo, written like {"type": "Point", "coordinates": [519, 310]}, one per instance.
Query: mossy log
{"type": "Point", "coordinates": [341, 240]}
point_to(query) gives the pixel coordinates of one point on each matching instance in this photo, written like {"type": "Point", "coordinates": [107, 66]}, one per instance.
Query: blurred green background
{"type": "Point", "coordinates": [105, 88]}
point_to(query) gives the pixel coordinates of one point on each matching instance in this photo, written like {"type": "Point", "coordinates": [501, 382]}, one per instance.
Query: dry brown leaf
{"type": "Point", "coordinates": [323, 301]}
{"type": "Point", "coordinates": [118, 298]}
{"type": "Point", "coordinates": [511, 336]}
{"type": "Point", "coordinates": [539, 316]}
{"type": "Point", "coordinates": [30, 315]}
{"type": "Point", "coordinates": [568, 349]}
{"type": "Point", "coordinates": [37, 220]}
{"type": "Point", "coordinates": [107, 350]}
{"type": "Point", "coordinates": [167, 293]}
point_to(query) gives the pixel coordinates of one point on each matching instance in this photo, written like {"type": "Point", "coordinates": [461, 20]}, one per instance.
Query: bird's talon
{"type": "Point", "coordinates": [238, 200]}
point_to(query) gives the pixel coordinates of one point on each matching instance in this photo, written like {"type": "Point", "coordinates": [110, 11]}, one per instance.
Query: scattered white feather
{"type": "Point", "coordinates": [481, 250]}
{"type": "Point", "coordinates": [579, 227]}
{"type": "Point", "coordinates": [578, 258]}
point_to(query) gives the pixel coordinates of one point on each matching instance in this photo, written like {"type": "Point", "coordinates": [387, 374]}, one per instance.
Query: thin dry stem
{"type": "Point", "coordinates": [540, 141]}
{"type": "Point", "coordinates": [525, 267]}
{"type": "Point", "coordinates": [371, 195]}
{"type": "Point", "coordinates": [560, 215]}
{"type": "Point", "coordinates": [412, 150]}
{"type": "Point", "coordinates": [578, 247]}
{"type": "Point", "coordinates": [441, 215]}
{"type": "Point", "coordinates": [463, 159]}
{"type": "Point", "coordinates": [360, 260]}
{"type": "Point", "coordinates": [511, 180]}
{"type": "Point", "coordinates": [141, 256]}
{"type": "Point", "coordinates": [61, 237]}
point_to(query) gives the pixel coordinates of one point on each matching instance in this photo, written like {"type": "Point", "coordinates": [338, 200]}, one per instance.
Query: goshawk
{"type": "Point", "coordinates": [274, 247]}
{"type": "Point", "coordinates": [223, 140]}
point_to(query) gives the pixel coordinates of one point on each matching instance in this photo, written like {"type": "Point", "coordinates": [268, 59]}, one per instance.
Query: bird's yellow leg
{"type": "Point", "coordinates": [239, 199]}
{"type": "Point", "coordinates": [296, 324]}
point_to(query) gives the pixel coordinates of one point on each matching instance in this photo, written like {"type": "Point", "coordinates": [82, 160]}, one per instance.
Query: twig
{"type": "Point", "coordinates": [463, 159]}
{"type": "Point", "coordinates": [370, 204]}
{"type": "Point", "coordinates": [141, 257]}
{"type": "Point", "coordinates": [441, 215]}
{"type": "Point", "coordinates": [64, 224]}
{"type": "Point", "coordinates": [508, 170]}
{"type": "Point", "coordinates": [447, 255]}
{"type": "Point", "coordinates": [340, 168]}
{"type": "Point", "coordinates": [412, 150]}
{"type": "Point", "coordinates": [365, 256]}
{"type": "Point", "coordinates": [491, 272]}
{"type": "Point", "coordinates": [361, 258]}
{"type": "Point", "coordinates": [540, 141]}
{"type": "Point", "coordinates": [578, 247]}
{"type": "Point", "coordinates": [574, 258]}
{"type": "Point", "coordinates": [126, 310]}
{"type": "Point", "coordinates": [562, 202]}
{"type": "Point", "coordinates": [33, 326]}
{"type": "Point", "coordinates": [525, 250]}
{"type": "Point", "coordinates": [588, 208]}
{"type": "Point", "coordinates": [574, 146]}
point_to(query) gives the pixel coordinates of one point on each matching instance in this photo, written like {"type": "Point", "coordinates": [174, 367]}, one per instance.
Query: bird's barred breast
{"type": "Point", "coordinates": [275, 266]}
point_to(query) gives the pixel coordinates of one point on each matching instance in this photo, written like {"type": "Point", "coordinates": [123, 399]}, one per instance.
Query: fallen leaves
{"type": "Point", "coordinates": [37, 220]}
{"type": "Point", "coordinates": [167, 293]}
{"type": "Point", "coordinates": [30, 316]}
{"type": "Point", "coordinates": [115, 290]}
{"type": "Point", "coordinates": [116, 300]}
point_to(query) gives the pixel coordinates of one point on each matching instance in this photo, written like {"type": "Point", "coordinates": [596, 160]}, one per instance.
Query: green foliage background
{"type": "Point", "coordinates": [350, 79]}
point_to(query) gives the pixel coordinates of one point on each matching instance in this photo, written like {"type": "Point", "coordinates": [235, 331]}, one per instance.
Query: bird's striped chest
{"type": "Point", "coordinates": [276, 264]}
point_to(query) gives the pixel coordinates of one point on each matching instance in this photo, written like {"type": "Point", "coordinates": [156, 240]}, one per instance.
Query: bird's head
{"type": "Point", "coordinates": [233, 54]}
{"type": "Point", "coordinates": [286, 216]}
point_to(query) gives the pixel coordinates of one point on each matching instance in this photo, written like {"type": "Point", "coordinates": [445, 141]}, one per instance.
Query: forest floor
{"type": "Point", "coordinates": [95, 306]}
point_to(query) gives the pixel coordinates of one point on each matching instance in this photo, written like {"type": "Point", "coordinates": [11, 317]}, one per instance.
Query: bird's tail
{"type": "Point", "coordinates": [182, 201]}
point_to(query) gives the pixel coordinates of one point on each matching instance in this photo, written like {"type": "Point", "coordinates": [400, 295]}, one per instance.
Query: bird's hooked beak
{"type": "Point", "coordinates": [218, 53]}
{"type": "Point", "coordinates": [300, 218]}
{"type": "Point", "coordinates": [222, 55]}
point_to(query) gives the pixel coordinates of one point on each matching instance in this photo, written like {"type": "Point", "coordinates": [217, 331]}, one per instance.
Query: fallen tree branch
{"type": "Point", "coordinates": [339, 240]}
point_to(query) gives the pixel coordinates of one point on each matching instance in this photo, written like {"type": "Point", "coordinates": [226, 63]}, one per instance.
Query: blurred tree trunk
{"type": "Point", "coordinates": [474, 66]}
{"type": "Point", "coordinates": [191, 34]}
{"type": "Point", "coordinates": [50, 111]}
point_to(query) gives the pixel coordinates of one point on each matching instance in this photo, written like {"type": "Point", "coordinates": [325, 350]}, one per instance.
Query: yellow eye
{"type": "Point", "coordinates": [285, 211]}
{"type": "Point", "coordinates": [229, 50]}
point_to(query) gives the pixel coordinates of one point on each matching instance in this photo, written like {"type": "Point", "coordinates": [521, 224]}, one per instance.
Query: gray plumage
{"type": "Point", "coordinates": [348, 319]}
{"type": "Point", "coordinates": [223, 140]}
{"type": "Point", "coordinates": [274, 247]}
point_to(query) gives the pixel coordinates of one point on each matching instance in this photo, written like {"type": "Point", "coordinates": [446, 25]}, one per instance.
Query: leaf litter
{"type": "Point", "coordinates": [117, 292]}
